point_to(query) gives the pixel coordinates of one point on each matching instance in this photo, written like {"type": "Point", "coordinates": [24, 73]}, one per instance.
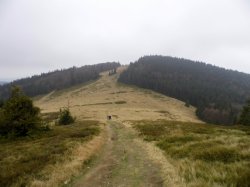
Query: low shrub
{"type": "Point", "coordinates": [65, 117]}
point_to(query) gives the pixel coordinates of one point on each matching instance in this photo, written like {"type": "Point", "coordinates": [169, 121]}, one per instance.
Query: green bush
{"type": "Point", "coordinates": [65, 117]}
{"type": "Point", "coordinates": [18, 116]}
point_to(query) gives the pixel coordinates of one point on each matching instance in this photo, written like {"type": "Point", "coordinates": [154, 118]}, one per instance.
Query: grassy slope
{"type": "Point", "coordinates": [35, 158]}
{"type": "Point", "coordinates": [204, 155]}
{"type": "Point", "coordinates": [105, 96]}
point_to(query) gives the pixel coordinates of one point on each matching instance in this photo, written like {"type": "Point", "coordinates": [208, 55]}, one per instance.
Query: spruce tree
{"type": "Point", "coordinates": [245, 114]}
{"type": "Point", "coordinates": [18, 115]}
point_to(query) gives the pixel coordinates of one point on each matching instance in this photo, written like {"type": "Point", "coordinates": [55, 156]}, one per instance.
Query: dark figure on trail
{"type": "Point", "coordinates": [109, 117]}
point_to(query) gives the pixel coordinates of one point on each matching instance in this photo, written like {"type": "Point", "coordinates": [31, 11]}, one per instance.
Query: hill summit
{"type": "Point", "coordinates": [217, 93]}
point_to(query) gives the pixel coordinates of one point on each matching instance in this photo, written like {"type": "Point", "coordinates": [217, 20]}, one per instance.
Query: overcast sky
{"type": "Point", "coordinates": [42, 35]}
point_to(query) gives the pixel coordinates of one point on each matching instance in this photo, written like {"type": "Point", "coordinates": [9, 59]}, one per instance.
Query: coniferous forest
{"type": "Point", "coordinates": [56, 80]}
{"type": "Point", "coordinates": [218, 94]}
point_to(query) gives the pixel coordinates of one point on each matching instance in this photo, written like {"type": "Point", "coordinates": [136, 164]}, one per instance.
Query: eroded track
{"type": "Point", "coordinates": [123, 162]}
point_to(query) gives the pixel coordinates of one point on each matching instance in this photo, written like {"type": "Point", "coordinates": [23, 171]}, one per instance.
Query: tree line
{"type": "Point", "coordinates": [56, 80]}
{"type": "Point", "coordinates": [217, 93]}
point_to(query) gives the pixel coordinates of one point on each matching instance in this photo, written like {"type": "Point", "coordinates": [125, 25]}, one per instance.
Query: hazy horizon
{"type": "Point", "coordinates": [30, 75]}
{"type": "Point", "coordinates": [41, 36]}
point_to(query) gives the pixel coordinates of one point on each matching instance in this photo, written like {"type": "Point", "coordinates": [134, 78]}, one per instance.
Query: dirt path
{"type": "Point", "coordinates": [123, 162]}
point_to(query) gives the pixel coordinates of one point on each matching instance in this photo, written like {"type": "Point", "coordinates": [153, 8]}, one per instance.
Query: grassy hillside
{"type": "Point", "coordinates": [217, 93]}
{"type": "Point", "coordinates": [46, 159]}
{"type": "Point", "coordinates": [105, 97]}
{"type": "Point", "coordinates": [204, 155]}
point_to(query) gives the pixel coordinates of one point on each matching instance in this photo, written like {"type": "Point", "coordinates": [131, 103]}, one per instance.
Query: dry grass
{"type": "Point", "coordinates": [107, 97]}
{"type": "Point", "coordinates": [34, 158]}
{"type": "Point", "coordinates": [197, 154]}
{"type": "Point", "coordinates": [50, 117]}
{"type": "Point", "coordinates": [204, 155]}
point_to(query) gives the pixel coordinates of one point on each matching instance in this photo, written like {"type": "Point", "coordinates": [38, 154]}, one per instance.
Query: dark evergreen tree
{"type": "Point", "coordinates": [18, 115]}
{"type": "Point", "coordinates": [1, 103]}
{"type": "Point", "coordinates": [245, 115]}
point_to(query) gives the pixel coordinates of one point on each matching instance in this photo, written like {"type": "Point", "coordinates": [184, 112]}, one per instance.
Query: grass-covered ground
{"type": "Point", "coordinates": [32, 158]}
{"type": "Point", "coordinates": [204, 155]}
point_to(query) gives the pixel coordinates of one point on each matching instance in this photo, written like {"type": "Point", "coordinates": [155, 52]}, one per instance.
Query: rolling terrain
{"type": "Point", "coordinates": [123, 159]}
{"type": "Point", "coordinates": [105, 97]}
{"type": "Point", "coordinates": [152, 140]}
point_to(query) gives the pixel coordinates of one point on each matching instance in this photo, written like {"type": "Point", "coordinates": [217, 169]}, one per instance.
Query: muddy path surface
{"type": "Point", "coordinates": [122, 162]}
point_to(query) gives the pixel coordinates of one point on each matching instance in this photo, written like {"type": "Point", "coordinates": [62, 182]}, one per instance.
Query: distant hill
{"type": "Point", "coordinates": [56, 80]}
{"type": "Point", "coordinates": [2, 82]}
{"type": "Point", "coordinates": [217, 93]}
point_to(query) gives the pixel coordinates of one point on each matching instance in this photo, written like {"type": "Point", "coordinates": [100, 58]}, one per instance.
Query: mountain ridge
{"type": "Point", "coordinates": [57, 80]}
{"type": "Point", "coordinates": [218, 93]}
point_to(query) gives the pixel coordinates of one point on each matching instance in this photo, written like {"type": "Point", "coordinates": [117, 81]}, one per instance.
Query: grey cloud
{"type": "Point", "coordinates": [52, 34]}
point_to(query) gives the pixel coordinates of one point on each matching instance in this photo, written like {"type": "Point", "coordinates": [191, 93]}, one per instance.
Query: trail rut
{"type": "Point", "coordinates": [123, 162]}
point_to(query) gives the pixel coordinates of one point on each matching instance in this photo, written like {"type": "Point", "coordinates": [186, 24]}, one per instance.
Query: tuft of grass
{"type": "Point", "coordinates": [180, 139]}
{"type": "Point", "coordinates": [163, 112]}
{"type": "Point", "coordinates": [204, 154]}
{"type": "Point", "coordinates": [86, 133]}
{"type": "Point", "coordinates": [150, 133]}
{"type": "Point", "coordinates": [24, 159]}
{"type": "Point", "coordinates": [106, 103]}
{"type": "Point", "coordinates": [243, 178]}
{"type": "Point", "coordinates": [218, 153]}
{"type": "Point", "coordinates": [118, 92]}
{"type": "Point", "coordinates": [120, 102]}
